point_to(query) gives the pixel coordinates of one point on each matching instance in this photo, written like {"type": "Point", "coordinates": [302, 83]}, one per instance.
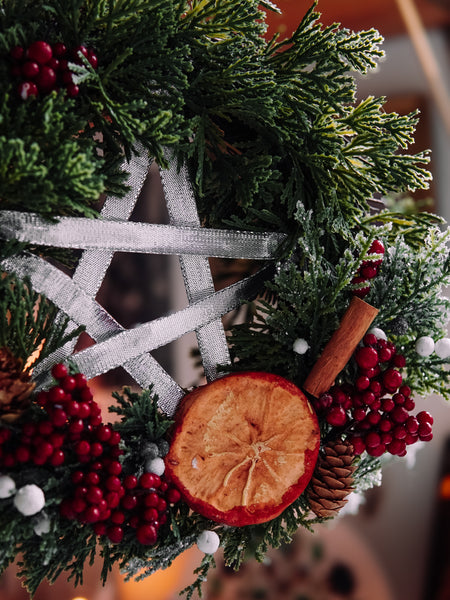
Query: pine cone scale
{"type": "Point", "coordinates": [332, 480]}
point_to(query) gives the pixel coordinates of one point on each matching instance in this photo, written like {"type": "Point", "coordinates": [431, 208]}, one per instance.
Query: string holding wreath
{"type": "Point", "coordinates": [263, 155]}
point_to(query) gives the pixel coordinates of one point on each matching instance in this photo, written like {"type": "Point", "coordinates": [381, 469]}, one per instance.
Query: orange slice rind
{"type": "Point", "coordinates": [243, 448]}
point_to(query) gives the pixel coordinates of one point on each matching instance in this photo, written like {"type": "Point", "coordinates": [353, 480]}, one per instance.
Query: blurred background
{"type": "Point", "coordinates": [396, 545]}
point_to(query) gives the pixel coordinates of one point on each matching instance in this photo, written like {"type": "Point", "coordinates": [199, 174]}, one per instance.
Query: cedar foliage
{"type": "Point", "coordinates": [274, 141]}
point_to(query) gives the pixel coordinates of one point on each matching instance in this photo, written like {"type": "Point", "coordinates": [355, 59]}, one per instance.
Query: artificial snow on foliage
{"type": "Point", "coordinates": [377, 332]}
{"type": "Point", "coordinates": [425, 346]}
{"type": "Point", "coordinates": [42, 525]}
{"type": "Point", "coordinates": [442, 347]}
{"type": "Point", "coordinates": [300, 346]}
{"type": "Point", "coordinates": [7, 486]}
{"type": "Point", "coordinates": [208, 542]}
{"type": "Point", "coordinates": [29, 499]}
{"type": "Point", "coordinates": [155, 465]}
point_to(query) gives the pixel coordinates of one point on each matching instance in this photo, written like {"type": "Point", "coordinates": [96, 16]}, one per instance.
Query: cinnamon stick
{"type": "Point", "coordinates": [337, 352]}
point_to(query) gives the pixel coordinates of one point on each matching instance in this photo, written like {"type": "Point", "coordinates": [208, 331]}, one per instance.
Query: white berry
{"type": "Point", "coordinates": [155, 465]}
{"type": "Point", "coordinates": [300, 346]}
{"type": "Point", "coordinates": [42, 525]}
{"type": "Point", "coordinates": [208, 542]}
{"type": "Point", "coordinates": [378, 333]}
{"type": "Point", "coordinates": [29, 499]}
{"type": "Point", "coordinates": [425, 345]}
{"type": "Point", "coordinates": [442, 347]}
{"type": "Point", "coordinates": [7, 486]}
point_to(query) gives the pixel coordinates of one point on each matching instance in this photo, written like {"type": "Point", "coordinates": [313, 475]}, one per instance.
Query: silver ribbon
{"type": "Point", "coordinates": [113, 232]}
{"type": "Point", "coordinates": [127, 236]}
{"type": "Point", "coordinates": [196, 271]}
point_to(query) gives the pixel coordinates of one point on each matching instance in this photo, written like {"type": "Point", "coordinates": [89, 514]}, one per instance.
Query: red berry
{"type": "Point", "coordinates": [377, 247]}
{"type": "Point", "coordinates": [17, 52]}
{"type": "Point", "coordinates": [358, 444]}
{"type": "Point", "coordinates": [129, 501]}
{"type": "Point", "coordinates": [26, 89]}
{"type": "Point", "coordinates": [372, 439]}
{"type": "Point", "coordinates": [397, 447]}
{"type": "Point", "coordinates": [359, 414]}
{"type": "Point", "coordinates": [76, 426]}
{"type": "Point", "coordinates": [399, 432]}
{"type": "Point", "coordinates": [323, 402]}
{"type": "Point", "coordinates": [368, 398]}
{"type": "Point", "coordinates": [45, 428]}
{"type": "Point", "coordinates": [362, 383]}
{"type": "Point", "coordinates": [115, 534]}
{"type": "Point", "coordinates": [94, 494]}
{"type": "Point", "coordinates": [369, 271]}
{"type": "Point", "coordinates": [399, 414]}
{"type": "Point", "coordinates": [95, 420]}
{"type": "Point", "coordinates": [115, 438]}
{"type": "Point", "coordinates": [385, 354]}
{"type": "Point", "coordinates": [72, 408]}
{"type": "Point", "coordinates": [79, 49]}
{"type": "Point", "coordinates": [387, 404]}
{"type": "Point", "coordinates": [29, 70]}
{"type": "Point", "coordinates": [78, 505]}
{"type": "Point", "coordinates": [376, 450]}
{"type": "Point", "coordinates": [57, 458]}
{"type": "Point", "coordinates": [58, 417]}
{"type": "Point", "coordinates": [337, 416]}
{"type": "Point", "coordinates": [84, 410]}
{"type": "Point", "coordinates": [151, 514]}
{"type": "Point", "coordinates": [369, 339]}
{"type": "Point", "coordinates": [68, 384]}
{"type": "Point", "coordinates": [366, 357]}
{"type": "Point", "coordinates": [22, 454]}
{"type": "Point", "coordinates": [77, 477]}
{"type": "Point", "coordinates": [409, 404]}
{"type": "Point", "coordinates": [386, 437]}
{"type": "Point", "coordinates": [399, 399]}
{"type": "Point", "coordinates": [114, 468]}
{"type": "Point", "coordinates": [425, 417]}
{"type": "Point", "coordinates": [146, 534]}
{"type": "Point", "coordinates": [83, 447]}
{"type": "Point", "coordinates": [92, 58]}
{"type": "Point", "coordinates": [59, 49]}
{"type": "Point", "coordinates": [162, 505]}
{"type": "Point", "coordinates": [399, 361]}
{"type": "Point", "coordinates": [103, 433]}
{"type": "Point", "coordinates": [56, 394]}
{"type": "Point", "coordinates": [425, 430]}
{"type": "Point", "coordinates": [59, 371]}
{"type": "Point", "coordinates": [385, 425]}
{"type": "Point", "coordinates": [374, 417]}
{"type": "Point", "coordinates": [151, 500]}
{"type": "Point", "coordinates": [92, 478]}
{"type": "Point", "coordinates": [130, 482]}
{"type": "Point", "coordinates": [96, 449]}
{"type": "Point", "coordinates": [40, 51]}
{"type": "Point", "coordinates": [81, 381]}
{"type": "Point", "coordinates": [375, 387]}
{"type": "Point", "coordinates": [113, 483]}
{"type": "Point", "coordinates": [392, 379]}
{"type": "Point", "coordinates": [118, 517]}
{"type": "Point", "coordinates": [173, 496]}
{"type": "Point", "coordinates": [113, 499]}
{"type": "Point", "coordinates": [53, 63]}
{"type": "Point", "coordinates": [100, 528]}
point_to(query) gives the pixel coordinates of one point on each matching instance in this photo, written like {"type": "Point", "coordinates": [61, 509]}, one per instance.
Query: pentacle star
{"type": "Point", "coordinates": [113, 232]}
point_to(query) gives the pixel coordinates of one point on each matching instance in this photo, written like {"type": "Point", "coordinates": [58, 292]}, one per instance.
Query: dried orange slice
{"type": "Point", "coordinates": [244, 447]}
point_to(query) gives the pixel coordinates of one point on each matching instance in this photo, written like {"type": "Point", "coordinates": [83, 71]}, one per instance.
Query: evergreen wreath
{"type": "Point", "coordinates": [274, 141]}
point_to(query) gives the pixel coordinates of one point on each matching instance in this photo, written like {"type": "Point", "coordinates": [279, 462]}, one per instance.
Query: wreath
{"type": "Point", "coordinates": [264, 155]}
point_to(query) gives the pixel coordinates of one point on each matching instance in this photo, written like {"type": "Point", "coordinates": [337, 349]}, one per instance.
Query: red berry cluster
{"type": "Point", "coordinates": [368, 269]}
{"type": "Point", "coordinates": [375, 410]}
{"type": "Point", "coordinates": [73, 432]}
{"type": "Point", "coordinates": [42, 68]}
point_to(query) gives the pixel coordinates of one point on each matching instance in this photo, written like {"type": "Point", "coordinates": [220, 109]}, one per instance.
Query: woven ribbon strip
{"type": "Point", "coordinates": [100, 238]}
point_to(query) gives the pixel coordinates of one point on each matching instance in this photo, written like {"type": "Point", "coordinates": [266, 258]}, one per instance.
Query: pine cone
{"type": "Point", "coordinates": [15, 387]}
{"type": "Point", "coordinates": [332, 480]}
